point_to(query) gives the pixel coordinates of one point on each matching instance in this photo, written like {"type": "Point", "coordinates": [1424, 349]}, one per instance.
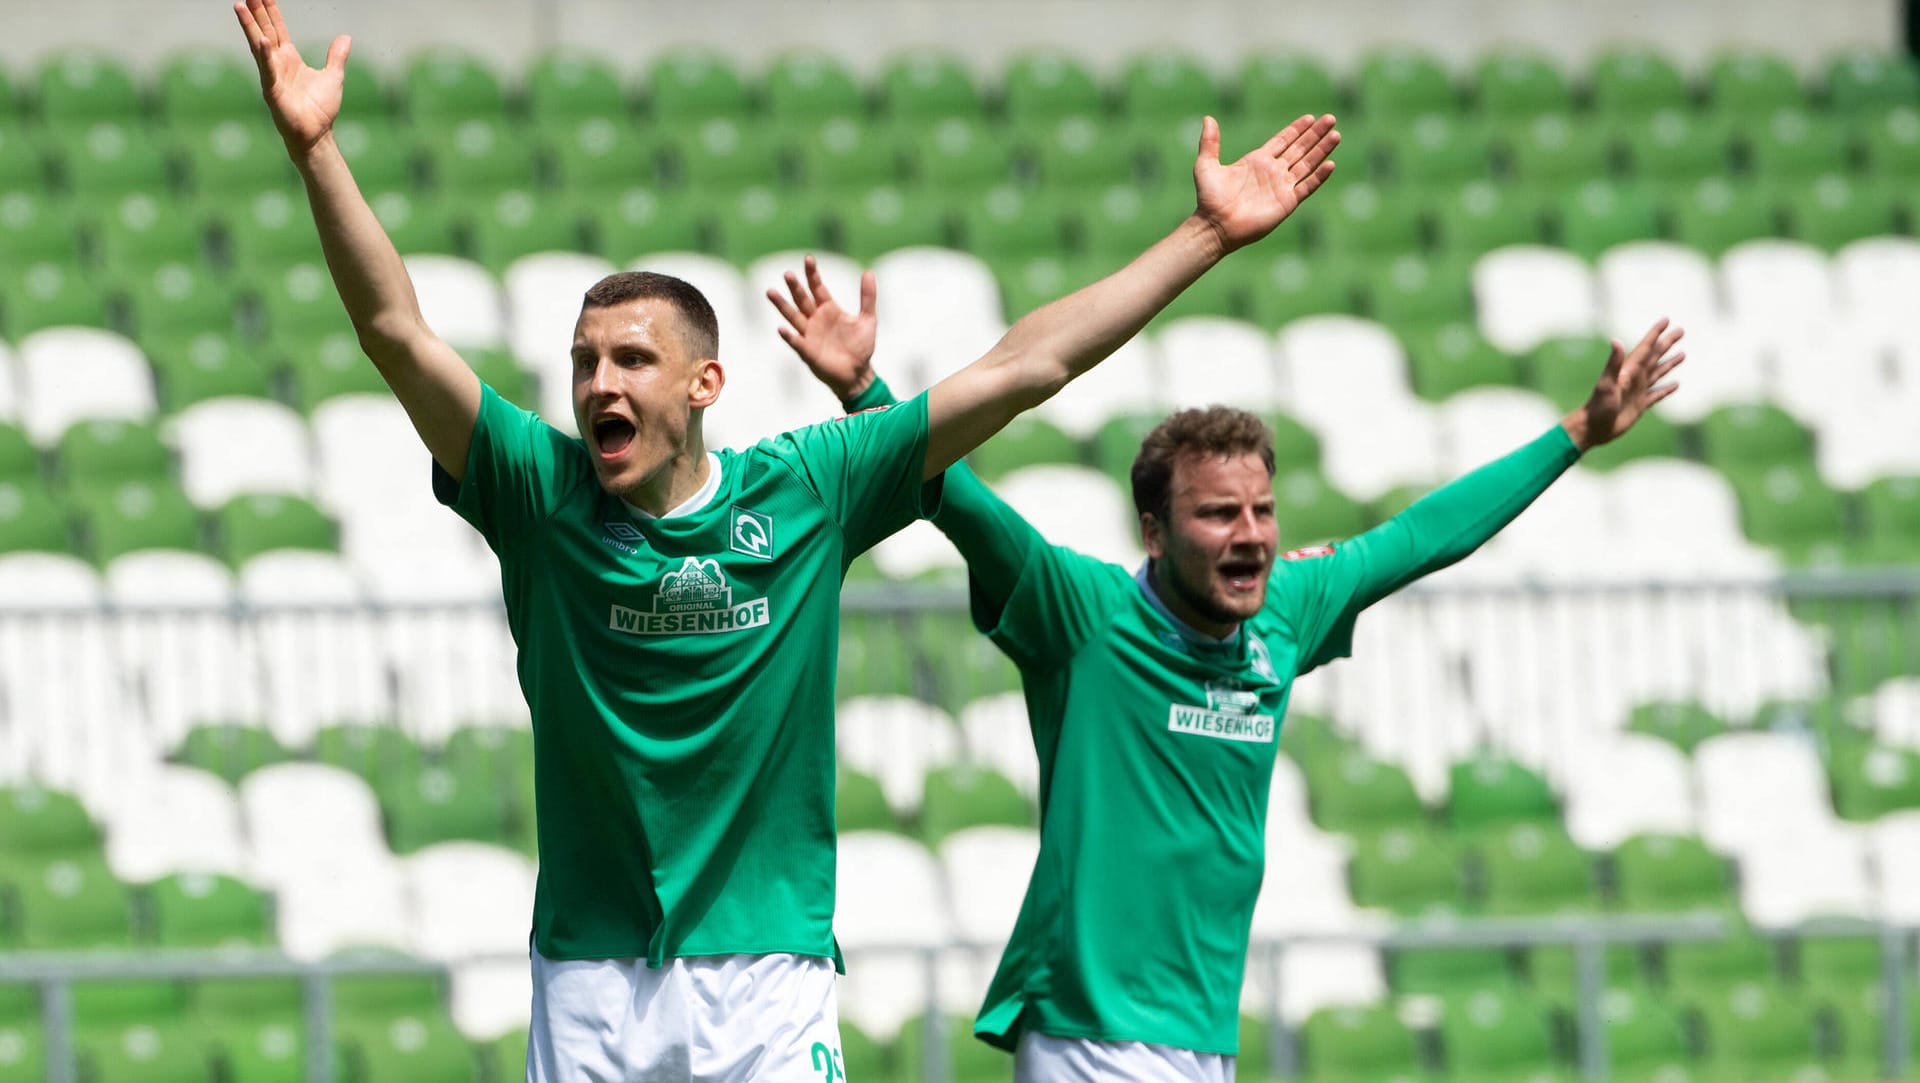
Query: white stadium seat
{"type": "Point", "coordinates": [1476, 427]}
{"type": "Point", "coordinates": [305, 819]}
{"type": "Point", "coordinates": [1727, 362]}
{"type": "Point", "coordinates": [1398, 444]}
{"type": "Point", "coordinates": [543, 294]}
{"type": "Point", "coordinates": [70, 374]}
{"type": "Point", "coordinates": [1075, 506]}
{"type": "Point", "coordinates": [174, 819]}
{"type": "Point", "coordinates": [914, 550]}
{"type": "Point", "coordinates": [235, 445]}
{"type": "Point", "coordinates": [1601, 813]}
{"type": "Point", "coordinates": [939, 310]}
{"type": "Point", "coordinates": [1128, 382]}
{"type": "Point", "coordinates": [368, 458]}
{"type": "Point", "coordinates": [460, 301]}
{"type": "Point", "coordinates": [890, 897]}
{"type": "Point", "coordinates": [997, 736]}
{"type": "Point", "coordinates": [1876, 280]}
{"type": "Point", "coordinates": [491, 997]}
{"type": "Point", "coordinates": [178, 641]}
{"type": "Point", "coordinates": [467, 899]}
{"type": "Point", "coordinates": [1756, 788]}
{"type": "Point", "coordinates": [1216, 361]}
{"type": "Point", "coordinates": [1827, 374]}
{"type": "Point", "coordinates": [1643, 281]}
{"type": "Point", "coordinates": [898, 740]}
{"type": "Point", "coordinates": [70, 732]}
{"type": "Point", "coordinates": [1527, 294]}
{"type": "Point", "coordinates": [1777, 286]}
{"type": "Point", "coordinates": [1894, 841]}
{"type": "Point", "coordinates": [9, 385]}
{"type": "Point", "coordinates": [361, 903]}
{"type": "Point", "coordinates": [987, 869]}
{"type": "Point", "coordinates": [1339, 371]}
{"type": "Point", "coordinates": [317, 646]}
{"type": "Point", "coordinates": [1799, 876]}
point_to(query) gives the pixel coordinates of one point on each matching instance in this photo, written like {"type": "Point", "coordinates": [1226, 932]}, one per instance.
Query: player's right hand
{"type": "Point", "coordinates": [304, 101]}
{"type": "Point", "coordinates": [836, 345]}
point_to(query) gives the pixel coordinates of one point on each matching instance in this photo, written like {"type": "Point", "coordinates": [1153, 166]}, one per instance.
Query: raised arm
{"type": "Point", "coordinates": [440, 393]}
{"type": "Point", "coordinates": [1235, 206]}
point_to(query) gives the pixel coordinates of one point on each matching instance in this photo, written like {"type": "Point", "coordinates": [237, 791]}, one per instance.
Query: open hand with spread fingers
{"type": "Point", "coordinates": [304, 101]}
{"type": "Point", "coordinates": [836, 345]}
{"type": "Point", "coordinates": [1244, 201]}
{"type": "Point", "coordinates": [1628, 387]}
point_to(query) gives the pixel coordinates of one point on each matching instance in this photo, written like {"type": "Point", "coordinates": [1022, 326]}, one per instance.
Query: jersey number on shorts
{"type": "Point", "coordinates": [827, 1062]}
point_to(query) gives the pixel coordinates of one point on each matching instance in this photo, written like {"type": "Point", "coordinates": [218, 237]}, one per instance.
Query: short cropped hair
{"type": "Point", "coordinates": [1214, 431]}
{"type": "Point", "coordinates": [702, 328]}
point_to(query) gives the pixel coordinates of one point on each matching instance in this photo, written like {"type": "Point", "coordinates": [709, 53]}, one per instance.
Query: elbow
{"type": "Point", "coordinates": [1026, 379]}
{"type": "Point", "coordinates": [387, 339]}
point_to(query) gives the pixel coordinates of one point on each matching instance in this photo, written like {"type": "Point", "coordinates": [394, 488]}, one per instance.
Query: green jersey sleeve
{"type": "Point", "coordinates": [1039, 603]}
{"type": "Point", "coordinates": [1321, 591]}
{"type": "Point", "coordinates": [864, 469]}
{"type": "Point", "coordinates": [518, 469]}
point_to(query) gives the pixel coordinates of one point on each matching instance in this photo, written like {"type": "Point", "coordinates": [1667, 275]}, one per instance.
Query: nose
{"type": "Point", "coordinates": [603, 381]}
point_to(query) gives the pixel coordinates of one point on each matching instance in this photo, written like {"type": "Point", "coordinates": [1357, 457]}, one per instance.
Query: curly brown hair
{"type": "Point", "coordinates": [702, 327]}
{"type": "Point", "coordinates": [1216, 430]}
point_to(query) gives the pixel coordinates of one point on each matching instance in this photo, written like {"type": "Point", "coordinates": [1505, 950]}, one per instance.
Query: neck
{"type": "Point", "coordinates": [678, 479]}
{"type": "Point", "coordinates": [1175, 600]}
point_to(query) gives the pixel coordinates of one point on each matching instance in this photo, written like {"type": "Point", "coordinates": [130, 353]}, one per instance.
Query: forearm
{"type": "Point", "coordinates": [1447, 524]}
{"type": "Point", "coordinates": [367, 270]}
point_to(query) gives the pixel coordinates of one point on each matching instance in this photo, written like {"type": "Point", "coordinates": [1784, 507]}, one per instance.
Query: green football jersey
{"type": "Point", "coordinates": [680, 674]}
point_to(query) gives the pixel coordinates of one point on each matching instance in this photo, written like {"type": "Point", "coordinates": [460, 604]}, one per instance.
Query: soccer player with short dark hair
{"type": "Point", "coordinates": [1155, 697]}
{"type": "Point", "coordinates": [676, 609]}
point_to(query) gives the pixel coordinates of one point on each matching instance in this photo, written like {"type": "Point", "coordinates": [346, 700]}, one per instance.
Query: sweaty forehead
{"type": "Point", "coordinates": [650, 322]}
{"type": "Point", "coordinates": [1200, 477]}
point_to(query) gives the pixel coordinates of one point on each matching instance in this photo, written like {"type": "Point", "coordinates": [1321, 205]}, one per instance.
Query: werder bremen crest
{"type": "Point", "coordinates": [695, 599]}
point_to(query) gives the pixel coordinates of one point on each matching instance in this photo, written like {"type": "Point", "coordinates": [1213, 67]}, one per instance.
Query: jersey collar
{"type": "Point", "coordinates": [1192, 636]}
{"type": "Point", "coordinates": [691, 504]}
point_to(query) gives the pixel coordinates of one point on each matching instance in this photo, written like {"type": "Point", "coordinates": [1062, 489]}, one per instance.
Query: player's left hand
{"type": "Point", "coordinates": [1244, 201]}
{"type": "Point", "coordinates": [1628, 386]}
{"type": "Point", "coordinates": [836, 345]}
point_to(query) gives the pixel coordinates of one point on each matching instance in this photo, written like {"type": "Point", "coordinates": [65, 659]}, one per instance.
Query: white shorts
{"type": "Point", "coordinates": [718, 1019]}
{"type": "Point", "coordinates": [1043, 1058]}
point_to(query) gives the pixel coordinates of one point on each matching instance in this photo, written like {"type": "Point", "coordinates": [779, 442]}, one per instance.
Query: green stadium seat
{"type": "Point", "coordinates": [860, 804]}
{"type": "Point", "coordinates": [272, 1051]}
{"type": "Point", "coordinates": [929, 84]}
{"type": "Point", "coordinates": [498, 370]}
{"type": "Point", "coordinates": [860, 1055]}
{"type": "Point", "coordinates": [961, 155]}
{"type": "Point", "coordinates": [23, 1052]}
{"type": "Point", "coordinates": [1026, 284]}
{"type": "Point", "coordinates": [1646, 1037]}
{"type": "Point", "coordinates": [1675, 147]}
{"type": "Point", "coordinates": [966, 796]}
{"type": "Point", "coordinates": [141, 230]}
{"type": "Point", "coordinates": [518, 222]}
{"type": "Point", "coordinates": [1401, 82]}
{"type": "Point", "coordinates": [237, 158]}
{"type": "Point", "coordinates": [109, 159]}
{"type": "Point", "coordinates": [1366, 219]}
{"type": "Point", "coordinates": [230, 750]}
{"type": "Point", "coordinates": [415, 225]}
{"type": "Point", "coordinates": [1438, 149]}
{"type": "Point", "coordinates": [19, 1002]}
{"type": "Point", "coordinates": [846, 151]}
{"type": "Point", "coordinates": [1448, 358]}
{"type": "Point", "coordinates": [49, 294]}
{"type": "Point", "coordinates": [202, 910]}
{"type": "Point", "coordinates": [1168, 85]}
{"type": "Point", "coordinates": [122, 517]}
{"type": "Point", "coordinates": [43, 825]}
{"type": "Point", "coordinates": [1860, 81]}
{"type": "Point", "coordinates": [1636, 80]}
{"type": "Point", "coordinates": [1413, 292]}
{"type": "Point", "coordinates": [1292, 285]}
{"type": "Point", "coordinates": [376, 998]}
{"type": "Point", "coordinates": [1077, 151]}
{"type": "Point", "coordinates": [444, 85]}
{"type": "Point", "coordinates": [761, 220]}
{"type": "Point", "coordinates": [1555, 149]}
{"type": "Point", "coordinates": [805, 84]}
{"type": "Point", "coordinates": [1496, 1034]}
{"type": "Point", "coordinates": [70, 904]}
{"type": "Point", "coordinates": [1401, 869]}
{"type": "Point", "coordinates": [1859, 1031]}
{"type": "Point", "coordinates": [1891, 506]}
{"type": "Point", "coordinates": [1700, 969]}
{"type": "Point", "coordinates": [1683, 722]}
{"type": "Point", "coordinates": [1670, 874]}
{"type": "Point", "coordinates": [107, 1004]}
{"type": "Point", "coordinates": [202, 87]}
{"type": "Point", "coordinates": [1869, 782]}
{"type": "Point", "coordinates": [1353, 1043]}
{"type": "Point", "coordinates": [1448, 972]}
{"type": "Point", "coordinates": [480, 157]}
{"type": "Point", "coordinates": [22, 158]}
{"type": "Point", "coordinates": [639, 220]}
{"type": "Point", "coordinates": [1482, 216]}
{"type": "Point", "coordinates": [435, 805]}
{"type": "Point", "coordinates": [379, 151]}
{"type": "Point", "coordinates": [221, 1001]}
{"type": "Point", "coordinates": [175, 298]}
{"type": "Point", "coordinates": [501, 753]}
{"type": "Point", "coordinates": [34, 229]}
{"type": "Point", "coordinates": [1494, 792]}
{"type": "Point", "coordinates": [1534, 868]}
{"type": "Point", "coordinates": [1277, 87]}
{"type": "Point", "coordinates": [1217, 294]}
{"type": "Point", "coordinates": [1834, 210]}
{"type": "Point", "coordinates": [19, 460]}
{"type": "Point", "coordinates": [1309, 510]}
{"type": "Point", "coordinates": [691, 85]}
{"type": "Point", "coordinates": [969, 667]}
{"type": "Point", "coordinates": [78, 87]}
{"type": "Point", "coordinates": [270, 233]}
{"type": "Point", "coordinates": [31, 518]}
{"type": "Point", "coordinates": [1718, 213]}
{"type": "Point", "coordinates": [1834, 968]}
{"type": "Point", "coordinates": [1600, 214]}
{"type": "Point", "coordinates": [1009, 223]}
{"type": "Point", "coordinates": [1753, 81]}
{"type": "Point", "coordinates": [1553, 973]}
{"type": "Point", "coordinates": [146, 1053]}
{"type": "Point", "coordinates": [104, 451]}
{"type": "Point", "coordinates": [566, 88]}
{"type": "Point", "coordinates": [1027, 441]}
{"type": "Point", "coordinates": [1788, 506]}
{"type": "Point", "coordinates": [1114, 446]}
{"type": "Point", "coordinates": [379, 753]}
{"type": "Point", "coordinates": [1513, 83]}
{"type": "Point", "coordinates": [1750, 436]}
{"type": "Point", "coordinates": [885, 218]}
{"type": "Point", "coordinates": [1359, 795]}
{"type": "Point", "coordinates": [1048, 84]}
{"type": "Point", "coordinates": [726, 154]}
{"type": "Point", "coordinates": [1794, 143]}
{"type": "Point", "coordinates": [413, 1049]}
{"type": "Point", "coordinates": [1757, 1031]}
{"type": "Point", "coordinates": [298, 303]}
{"type": "Point", "coordinates": [258, 522]}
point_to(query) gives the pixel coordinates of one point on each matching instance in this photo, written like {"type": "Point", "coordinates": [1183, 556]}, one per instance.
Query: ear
{"type": "Point", "coordinates": [704, 388]}
{"type": "Point", "coordinates": [1153, 536]}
